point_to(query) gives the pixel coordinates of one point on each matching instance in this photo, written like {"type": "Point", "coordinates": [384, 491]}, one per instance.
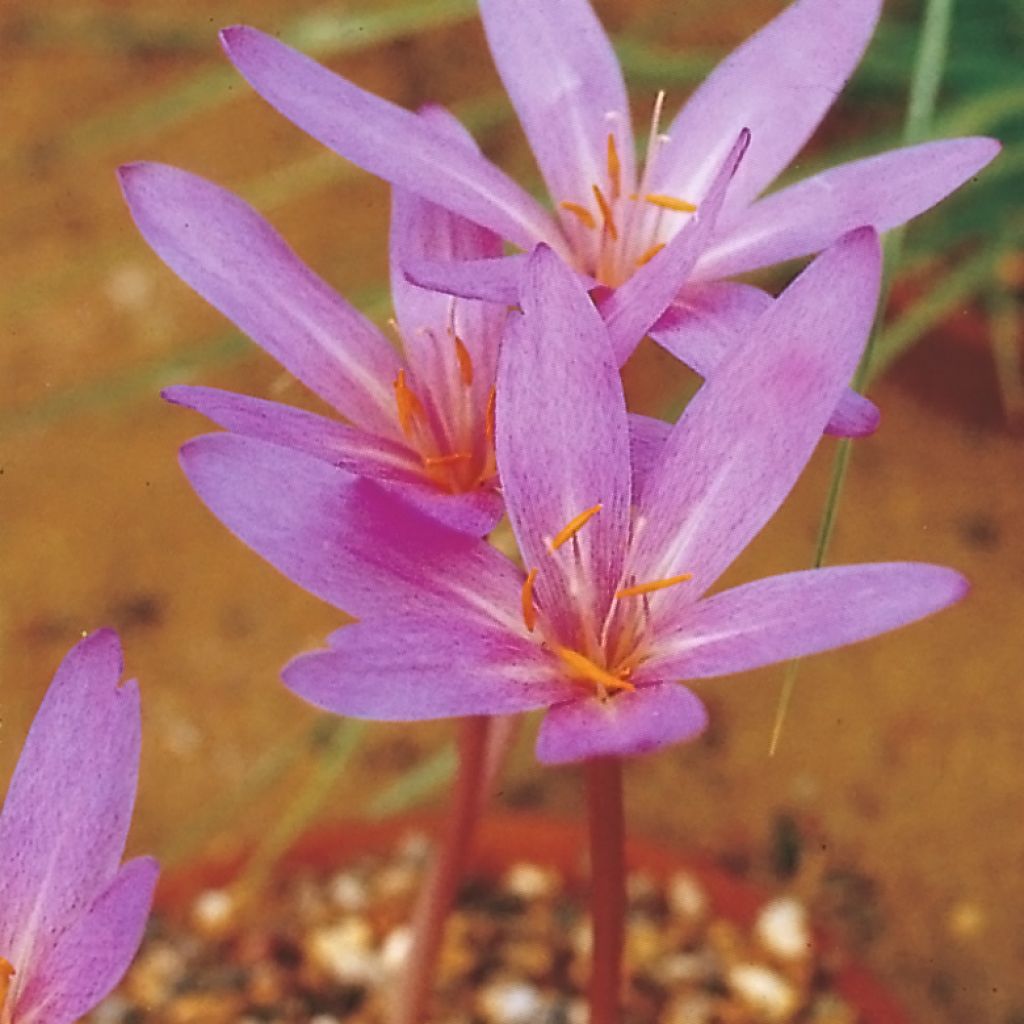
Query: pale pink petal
{"type": "Point", "coordinates": [229, 254]}
{"type": "Point", "coordinates": [625, 725]}
{"type": "Point", "coordinates": [386, 140]}
{"type": "Point", "coordinates": [647, 436]}
{"type": "Point", "coordinates": [799, 614]}
{"type": "Point", "coordinates": [564, 80]}
{"type": "Point", "coordinates": [779, 84]}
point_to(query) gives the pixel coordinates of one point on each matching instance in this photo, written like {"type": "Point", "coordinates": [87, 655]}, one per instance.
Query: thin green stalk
{"type": "Point", "coordinates": [924, 89]}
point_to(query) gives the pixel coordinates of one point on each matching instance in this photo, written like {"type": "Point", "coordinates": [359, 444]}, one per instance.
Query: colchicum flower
{"type": "Point", "coordinates": [612, 215]}
{"type": "Point", "coordinates": [423, 425]}
{"type": "Point", "coordinates": [619, 549]}
{"type": "Point", "coordinates": [71, 915]}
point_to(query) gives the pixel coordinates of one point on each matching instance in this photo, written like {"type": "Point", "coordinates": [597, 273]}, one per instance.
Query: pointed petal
{"type": "Point", "coordinates": [743, 440]}
{"type": "Point", "coordinates": [496, 280]}
{"type": "Point", "coordinates": [222, 248]}
{"type": "Point", "coordinates": [68, 807]}
{"type": "Point", "coordinates": [881, 191]}
{"type": "Point", "coordinates": [632, 723]}
{"type": "Point", "coordinates": [709, 320]}
{"type": "Point", "coordinates": [92, 955]}
{"type": "Point", "coordinates": [563, 78]}
{"type": "Point", "coordinates": [631, 309]}
{"type": "Point", "coordinates": [779, 84]}
{"type": "Point", "coordinates": [647, 436]}
{"type": "Point", "coordinates": [384, 139]}
{"type": "Point", "coordinates": [562, 438]}
{"type": "Point", "coordinates": [799, 614]}
{"type": "Point", "coordinates": [403, 669]}
{"type": "Point", "coordinates": [356, 451]}
{"type": "Point", "coordinates": [344, 538]}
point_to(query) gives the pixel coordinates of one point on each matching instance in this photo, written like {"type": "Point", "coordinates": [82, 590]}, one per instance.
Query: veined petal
{"type": "Point", "coordinates": [344, 538]}
{"type": "Point", "coordinates": [88, 959]}
{"type": "Point", "coordinates": [647, 436]}
{"type": "Point", "coordinates": [475, 513]}
{"type": "Point", "coordinates": [641, 722]}
{"type": "Point", "coordinates": [799, 614]}
{"type": "Point", "coordinates": [440, 665]}
{"type": "Point", "coordinates": [67, 810]}
{"type": "Point", "coordinates": [743, 440]}
{"type": "Point", "coordinates": [882, 191]}
{"type": "Point", "coordinates": [779, 84]}
{"type": "Point", "coordinates": [630, 310]}
{"type": "Point", "coordinates": [562, 439]}
{"type": "Point", "coordinates": [384, 139]}
{"type": "Point", "coordinates": [711, 319]}
{"type": "Point", "coordinates": [222, 248]}
{"type": "Point", "coordinates": [564, 80]}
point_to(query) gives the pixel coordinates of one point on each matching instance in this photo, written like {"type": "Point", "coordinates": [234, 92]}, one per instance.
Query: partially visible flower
{"type": "Point", "coordinates": [422, 424]}
{"type": "Point", "coordinates": [71, 915]}
{"type": "Point", "coordinates": [612, 217]}
{"type": "Point", "coordinates": [620, 549]}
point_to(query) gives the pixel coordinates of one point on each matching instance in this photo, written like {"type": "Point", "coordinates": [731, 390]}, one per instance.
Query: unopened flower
{"type": "Point", "coordinates": [71, 915]}
{"type": "Point", "coordinates": [610, 611]}
{"type": "Point", "coordinates": [614, 215]}
{"type": "Point", "coordinates": [422, 424]}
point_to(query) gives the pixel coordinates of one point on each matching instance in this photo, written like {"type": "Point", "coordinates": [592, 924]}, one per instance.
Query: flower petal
{"type": "Point", "coordinates": [404, 669]}
{"type": "Point", "coordinates": [344, 538]}
{"type": "Point", "coordinates": [882, 191]}
{"type": "Point", "coordinates": [779, 84]}
{"type": "Point", "coordinates": [799, 614]}
{"type": "Point", "coordinates": [743, 440]}
{"type": "Point", "coordinates": [709, 320]}
{"type": "Point", "coordinates": [631, 309]}
{"type": "Point", "coordinates": [92, 955]}
{"type": "Point", "coordinates": [229, 254]}
{"type": "Point", "coordinates": [68, 807]}
{"type": "Point", "coordinates": [646, 438]}
{"type": "Point", "coordinates": [632, 723]}
{"type": "Point", "coordinates": [384, 139]}
{"type": "Point", "coordinates": [562, 439]}
{"type": "Point", "coordinates": [564, 80]}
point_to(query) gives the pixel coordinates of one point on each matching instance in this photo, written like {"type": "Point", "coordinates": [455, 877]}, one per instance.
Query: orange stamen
{"type": "Point", "coordinates": [446, 460]}
{"type": "Point", "coordinates": [670, 202]}
{"type": "Point", "coordinates": [614, 167]}
{"type": "Point", "coordinates": [580, 211]}
{"type": "Point", "coordinates": [574, 526]}
{"type": "Point", "coordinates": [649, 588]}
{"type": "Point", "coordinates": [489, 416]}
{"type": "Point", "coordinates": [606, 213]}
{"type": "Point", "coordinates": [409, 406]}
{"type": "Point", "coordinates": [529, 610]}
{"type": "Point", "coordinates": [650, 254]}
{"type": "Point", "coordinates": [6, 973]}
{"type": "Point", "coordinates": [465, 361]}
{"type": "Point", "coordinates": [583, 668]}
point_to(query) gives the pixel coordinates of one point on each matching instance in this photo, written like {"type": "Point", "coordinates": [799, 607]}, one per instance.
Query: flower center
{"type": "Point", "coordinates": [6, 973]}
{"type": "Point", "coordinates": [615, 230]}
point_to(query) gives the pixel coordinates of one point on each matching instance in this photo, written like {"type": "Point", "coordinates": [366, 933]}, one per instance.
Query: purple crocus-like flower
{"type": "Point", "coordinates": [71, 915]}
{"type": "Point", "coordinates": [621, 542]}
{"type": "Point", "coordinates": [422, 424]}
{"type": "Point", "coordinates": [612, 215]}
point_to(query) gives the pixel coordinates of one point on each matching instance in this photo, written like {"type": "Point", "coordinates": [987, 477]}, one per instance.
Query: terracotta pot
{"type": "Point", "coordinates": [505, 839]}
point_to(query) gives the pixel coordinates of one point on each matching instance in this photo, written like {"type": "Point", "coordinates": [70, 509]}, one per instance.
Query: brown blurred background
{"type": "Point", "coordinates": [895, 796]}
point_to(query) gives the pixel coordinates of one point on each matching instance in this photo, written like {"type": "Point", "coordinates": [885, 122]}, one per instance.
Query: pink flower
{"type": "Point", "coordinates": [622, 529]}
{"type": "Point", "coordinates": [71, 915]}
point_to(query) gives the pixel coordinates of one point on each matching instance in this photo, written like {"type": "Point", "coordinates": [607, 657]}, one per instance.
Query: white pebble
{"type": "Point", "coordinates": [345, 951]}
{"type": "Point", "coordinates": [764, 991]}
{"type": "Point", "coordinates": [512, 1002]}
{"type": "Point", "coordinates": [213, 909]}
{"type": "Point", "coordinates": [782, 928]}
{"type": "Point", "coordinates": [348, 892]}
{"type": "Point", "coordinates": [686, 896]}
{"type": "Point", "coordinates": [530, 881]}
{"type": "Point", "coordinates": [395, 949]}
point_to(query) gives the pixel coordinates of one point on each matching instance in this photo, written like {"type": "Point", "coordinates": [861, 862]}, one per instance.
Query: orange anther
{"type": "Point", "coordinates": [614, 167]}
{"type": "Point", "coordinates": [648, 588]}
{"type": "Point", "coordinates": [670, 202]}
{"type": "Point", "coordinates": [650, 254]}
{"type": "Point", "coordinates": [579, 211]}
{"type": "Point", "coordinates": [574, 526]}
{"type": "Point", "coordinates": [6, 973]}
{"type": "Point", "coordinates": [409, 406]}
{"type": "Point", "coordinates": [583, 668]}
{"type": "Point", "coordinates": [606, 213]}
{"type": "Point", "coordinates": [529, 610]}
{"type": "Point", "coordinates": [465, 361]}
{"type": "Point", "coordinates": [489, 416]}
{"type": "Point", "coordinates": [446, 460]}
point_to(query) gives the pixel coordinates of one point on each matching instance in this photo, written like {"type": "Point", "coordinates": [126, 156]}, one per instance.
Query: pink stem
{"type": "Point", "coordinates": [441, 884]}
{"type": "Point", "coordinates": [607, 887]}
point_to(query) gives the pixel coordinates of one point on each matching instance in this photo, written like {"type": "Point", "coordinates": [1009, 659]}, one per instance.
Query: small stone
{"type": "Point", "coordinates": [678, 969]}
{"type": "Point", "coordinates": [686, 896]}
{"type": "Point", "coordinates": [155, 975]}
{"type": "Point", "coordinates": [394, 951]}
{"type": "Point", "coordinates": [511, 1002]}
{"type": "Point", "coordinates": [348, 892]}
{"type": "Point", "coordinates": [213, 911]}
{"type": "Point", "coordinates": [345, 951]}
{"type": "Point", "coordinates": [783, 930]}
{"type": "Point", "coordinates": [529, 881]}
{"type": "Point", "coordinates": [768, 994]}
{"type": "Point", "coordinates": [691, 1008]}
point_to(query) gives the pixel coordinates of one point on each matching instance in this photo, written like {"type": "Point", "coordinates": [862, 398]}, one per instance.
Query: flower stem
{"type": "Point", "coordinates": [439, 889]}
{"type": "Point", "coordinates": [607, 887]}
